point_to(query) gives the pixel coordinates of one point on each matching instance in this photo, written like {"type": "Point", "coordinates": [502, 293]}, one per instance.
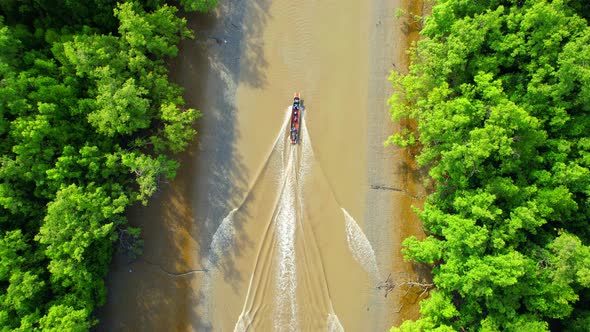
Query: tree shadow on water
{"type": "Point", "coordinates": [227, 51]}
{"type": "Point", "coordinates": [159, 290]}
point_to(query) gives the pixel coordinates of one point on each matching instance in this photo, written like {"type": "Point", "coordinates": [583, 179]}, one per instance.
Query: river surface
{"type": "Point", "coordinates": [257, 234]}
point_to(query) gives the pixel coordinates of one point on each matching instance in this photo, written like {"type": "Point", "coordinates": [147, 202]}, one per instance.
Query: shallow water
{"type": "Point", "coordinates": [255, 233]}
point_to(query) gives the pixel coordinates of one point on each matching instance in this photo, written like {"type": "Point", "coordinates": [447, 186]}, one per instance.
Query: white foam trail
{"type": "Point", "coordinates": [221, 243]}
{"type": "Point", "coordinates": [333, 323]}
{"type": "Point", "coordinates": [290, 211]}
{"type": "Point", "coordinates": [304, 165]}
{"type": "Point", "coordinates": [307, 151]}
{"type": "Point", "coordinates": [361, 248]}
{"type": "Point", "coordinates": [286, 282]}
{"type": "Point", "coordinates": [241, 325]}
{"type": "Point", "coordinates": [224, 234]}
{"type": "Point", "coordinates": [223, 239]}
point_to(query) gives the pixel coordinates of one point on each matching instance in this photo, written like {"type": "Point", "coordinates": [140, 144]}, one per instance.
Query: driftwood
{"type": "Point", "coordinates": [410, 284]}
{"type": "Point", "coordinates": [389, 285]}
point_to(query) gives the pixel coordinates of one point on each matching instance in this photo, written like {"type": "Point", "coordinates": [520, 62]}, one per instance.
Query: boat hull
{"type": "Point", "coordinates": [296, 113]}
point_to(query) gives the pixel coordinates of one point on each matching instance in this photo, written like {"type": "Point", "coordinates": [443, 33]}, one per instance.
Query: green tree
{"type": "Point", "coordinates": [89, 124]}
{"type": "Point", "coordinates": [198, 5]}
{"type": "Point", "coordinates": [498, 90]}
{"type": "Point", "coordinates": [65, 318]}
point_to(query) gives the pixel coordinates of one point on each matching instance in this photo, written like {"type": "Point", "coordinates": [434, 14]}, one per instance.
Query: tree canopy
{"type": "Point", "coordinates": [89, 124]}
{"type": "Point", "coordinates": [500, 93]}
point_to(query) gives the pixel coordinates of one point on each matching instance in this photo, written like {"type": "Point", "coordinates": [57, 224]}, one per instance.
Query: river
{"type": "Point", "coordinates": [255, 233]}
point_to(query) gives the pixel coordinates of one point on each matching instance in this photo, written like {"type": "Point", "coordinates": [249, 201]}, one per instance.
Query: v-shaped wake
{"type": "Point", "coordinates": [288, 256]}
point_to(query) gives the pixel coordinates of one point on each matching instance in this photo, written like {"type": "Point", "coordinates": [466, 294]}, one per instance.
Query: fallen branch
{"type": "Point", "coordinates": [173, 274]}
{"type": "Point", "coordinates": [382, 187]}
{"type": "Point", "coordinates": [389, 285]}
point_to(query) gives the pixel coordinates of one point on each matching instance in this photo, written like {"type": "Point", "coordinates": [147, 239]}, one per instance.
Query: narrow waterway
{"type": "Point", "coordinates": [256, 234]}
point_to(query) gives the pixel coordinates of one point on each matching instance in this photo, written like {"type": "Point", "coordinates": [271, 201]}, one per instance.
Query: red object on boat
{"type": "Point", "coordinates": [296, 113]}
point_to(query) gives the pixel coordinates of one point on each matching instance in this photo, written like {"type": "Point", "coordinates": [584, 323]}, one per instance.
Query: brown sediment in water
{"type": "Point", "coordinates": [158, 291]}
{"type": "Point", "coordinates": [412, 181]}
{"type": "Point", "coordinates": [148, 293]}
{"type": "Point", "coordinates": [242, 69]}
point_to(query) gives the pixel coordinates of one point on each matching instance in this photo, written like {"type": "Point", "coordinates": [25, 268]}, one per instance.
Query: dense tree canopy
{"type": "Point", "coordinates": [89, 123]}
{"type": "Point", "coordinates": [500, 92]}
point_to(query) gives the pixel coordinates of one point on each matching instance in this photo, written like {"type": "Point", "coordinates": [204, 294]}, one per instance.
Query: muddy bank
{"type": "Point", "coordinates": [410, 177]}
{"type": "Point", "coordinates": [394, 180]}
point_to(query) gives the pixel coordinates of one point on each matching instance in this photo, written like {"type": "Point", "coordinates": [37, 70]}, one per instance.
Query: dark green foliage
{"type": "Point", "coordinates": [500, 91]}
{"type": "Point", "coordinates": [198, 5]}
{"type": "Point", "coordinates": [89, 123]}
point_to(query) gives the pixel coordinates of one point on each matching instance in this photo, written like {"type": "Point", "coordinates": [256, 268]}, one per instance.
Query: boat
{"type": "Point", "coordinates": [296, 113]}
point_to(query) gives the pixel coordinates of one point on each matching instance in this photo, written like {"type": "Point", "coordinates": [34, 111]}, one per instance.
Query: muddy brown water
{"type": "Point", "coordinates": [257, 234]}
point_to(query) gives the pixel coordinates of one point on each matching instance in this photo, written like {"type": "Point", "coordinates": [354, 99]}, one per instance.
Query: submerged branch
{"type": "Point", "coordinates": [174, 274]}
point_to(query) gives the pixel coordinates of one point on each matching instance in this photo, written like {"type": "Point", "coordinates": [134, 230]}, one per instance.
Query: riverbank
{"type": "Point", "coordinates": [394, 180]}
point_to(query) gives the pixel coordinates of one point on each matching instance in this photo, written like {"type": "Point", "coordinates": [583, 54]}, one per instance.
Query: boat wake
{"type": "Point", "coordinates": [333, 323]}
{"type": "Point", "coordinates": [360, 247]}
{"type": "Point", "coordinates": [288, 288]}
